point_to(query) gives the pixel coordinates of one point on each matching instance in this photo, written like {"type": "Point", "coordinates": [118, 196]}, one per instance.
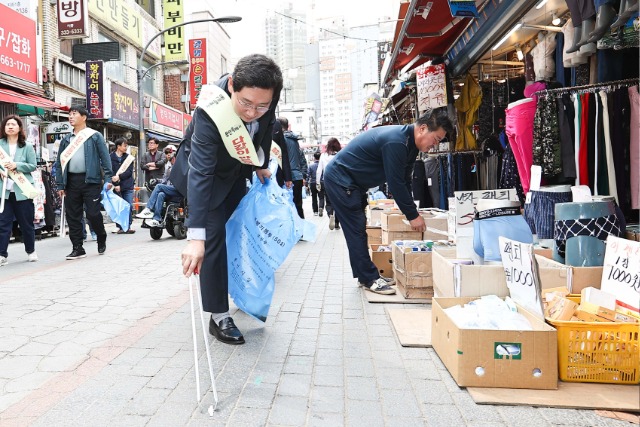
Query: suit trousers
{"type": "Point", "coordinates": [214, 279]}
{"type": "Point", "coordinates": [349, 205]}
{"type": "Point", "coordinates": [79, 196]}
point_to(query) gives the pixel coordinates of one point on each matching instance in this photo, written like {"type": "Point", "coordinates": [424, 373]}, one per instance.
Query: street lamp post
{"type": "Point", "coordinates": [141, 72]}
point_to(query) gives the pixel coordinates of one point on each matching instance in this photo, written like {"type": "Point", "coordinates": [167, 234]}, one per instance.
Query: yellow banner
{"type": "Point", "coordinates": [119, 16]}
{"type": "Point", "coordinates": [217, 104]}
{"type": "Point", "coordinates": [174, 47]}
{"type": "Point", "coordinates": [18, 178]}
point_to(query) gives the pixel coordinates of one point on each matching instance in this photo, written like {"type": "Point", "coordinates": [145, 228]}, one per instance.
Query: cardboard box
{"type": "Point", "coordinates": [577, 278]}
{"type": "Point", "coordinates": [412, 271]}
{"type": "Point", "coordinates": [389, 236]}
{"type": "Point", "coordinates": [456, 280]}
{"type": "Point", "coordinates": [561, 309]}
{"type": "Point", "coordinates": [374, 235]}
{"type": "Point", "coordinates": [475, 357]}
{"type": "Point", "coordinates": [382, 260]}
{"type": "Point", "coordinates": [439, 223]}
{"type": "Point", "coordinates": [393, 220]}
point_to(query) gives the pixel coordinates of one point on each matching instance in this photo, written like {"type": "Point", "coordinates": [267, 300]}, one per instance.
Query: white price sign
{"type": "Point", "coordinates": [466, 202]}
{"type": "Point", "coordinates": [621, 272]}
{"type": "Point", "coordinates": [521, 272]}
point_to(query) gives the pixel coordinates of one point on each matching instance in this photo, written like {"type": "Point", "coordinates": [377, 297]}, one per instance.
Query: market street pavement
{"type": "Point", "coordinates": [106, 341]}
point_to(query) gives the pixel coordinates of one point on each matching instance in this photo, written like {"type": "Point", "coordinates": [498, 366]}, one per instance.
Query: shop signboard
{"type": "Point", "coordinates": [464, 8]}
{"type": "Point", "coordinates": [95, 89]}
{"type": "Point", "coordinates": [54, 132]}
{"type": "Point", "coordinates": [432, 87]}
{"type": "Point", "coordinates": [197, 68]}
{"type": "Point", "coordinates": [73, 19]}
{"type": "Point", "coordinates": [174, 49]}
{"type": "Point", "coordinates": [28, 8]}
{"type": "Point", "coordinates": [166, 120]}
{"type": "Point", "coordinates": [119, 16]}
{"type": "Point", "coordinates": [18, 53]}
{"type": "Point", "coordinates": [124, 105]}
{"type": "Point", "coordinates": [186, 119]}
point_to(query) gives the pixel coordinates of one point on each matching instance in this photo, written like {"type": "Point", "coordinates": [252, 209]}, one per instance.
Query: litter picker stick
{"type": "Point", "coordinates": [195, 338]}
{"type": "Point", "coordinates": [212, 408]}
{"type": "Point", "coordinates": [63, 220]}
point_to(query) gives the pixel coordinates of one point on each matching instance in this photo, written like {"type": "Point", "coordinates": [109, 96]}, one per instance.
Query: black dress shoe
{"type": "Point", "coordinates": [226, 332]}
{"type": "Point", "coordinates": [102, 244]}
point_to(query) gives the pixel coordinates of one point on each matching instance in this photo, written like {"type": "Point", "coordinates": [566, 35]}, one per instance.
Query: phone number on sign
{"type": "Point", "coordinates": [10, 62]}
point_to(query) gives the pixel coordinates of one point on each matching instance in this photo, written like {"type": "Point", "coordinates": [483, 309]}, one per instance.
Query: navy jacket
{"type": "Point", "coordinates": [204, 171]}
{"type": "Point", "coordinates": [96, 158]}
{"type": "Point", "coordinates": [382, 154]}
{"type": "Point", "coordinates": [126, 178]}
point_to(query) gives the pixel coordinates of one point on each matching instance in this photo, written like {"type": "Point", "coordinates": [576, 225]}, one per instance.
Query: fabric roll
{"type": "Point", "coordinates": [634, 149]}
{"type": "Point", "coordinates": [519, 130]}
{"type": "Point", "coordinates": [611, 168]}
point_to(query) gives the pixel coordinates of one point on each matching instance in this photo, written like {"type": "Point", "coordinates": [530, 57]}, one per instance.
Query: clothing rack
{"type": "Point", "coordinates": [625, 82]}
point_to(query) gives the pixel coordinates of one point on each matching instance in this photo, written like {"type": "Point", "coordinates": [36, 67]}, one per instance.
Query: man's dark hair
{"type": "Point", "coordinates": [284, 122]}
{"type": "Point", "coordinates": [120, 141]}
{"type": "Point", "coordinates": [316, 155]}
{"type": "Point", "coordinates": [155, 140]}
{"type": "Point", "coordinates": [80, 109]}
{"type": "Point", "coordinates": [257, 71]}
{"type": "Point", "coordinates": [435, 120]}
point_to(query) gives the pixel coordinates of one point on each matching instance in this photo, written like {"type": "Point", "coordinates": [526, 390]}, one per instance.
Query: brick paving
{"type": "Point", "coordinates": [106, 341]}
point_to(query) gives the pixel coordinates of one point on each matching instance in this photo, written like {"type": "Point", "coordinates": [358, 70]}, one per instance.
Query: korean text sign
{"type": "Point", "coordinates": [124, 104]}
{"type": "Point", "coordinates": [18, 55]}
{"type": "Point", "coordinates": [73, 17]}
{"type": "Point", "coordinates": [95, 89]}
{"type": "Point", "coordinates": [431, 86]}
{"type": "Point", "coordinates": [173, 11]}
{"type": "Point", "coordinates": [621, 272]}
{"type": "Point", "coordinates": [198, 68]}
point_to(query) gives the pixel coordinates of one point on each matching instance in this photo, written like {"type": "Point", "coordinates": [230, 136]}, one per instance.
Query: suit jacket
{"type": "Point", "coordinates": [25, 160]}
{"type": "Point", "coordinates": [204, 171]}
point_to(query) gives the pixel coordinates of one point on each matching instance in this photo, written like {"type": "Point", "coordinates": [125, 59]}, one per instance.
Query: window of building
{"type": "Point", "coordinates": [66, 46]}
{"type": "Point", "coordinates": [71, 76]}
{"type": "Point", "coordinates": [223, 65]}
{"type": "Point", "coordinates": [115, 70]}
{"type": "Point", "coordinates": [148, 6]}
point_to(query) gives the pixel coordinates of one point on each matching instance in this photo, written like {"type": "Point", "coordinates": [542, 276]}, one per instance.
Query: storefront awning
{"type": "Point", "coordinates": [162, 137]}
{"type": "Point", "coordinates": [12, 97]}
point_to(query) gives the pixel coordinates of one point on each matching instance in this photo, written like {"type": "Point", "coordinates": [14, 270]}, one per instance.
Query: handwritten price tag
{"type": "Point", "coordinates": [521, 272]}
{"type": "Point", "coordinates": [621, 272]}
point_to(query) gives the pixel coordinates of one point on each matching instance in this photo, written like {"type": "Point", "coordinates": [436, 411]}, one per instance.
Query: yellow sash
{"type": "Point", "coordinates": [125, 164]}
{"type": "Point", "coordinates": [276, 152]}
{"type": "Point", "coordinates": [216, 103]}
{"type": "Point", "coordinates": [71, 149]}
{"type": "Point", "coordinates": [18, 178]}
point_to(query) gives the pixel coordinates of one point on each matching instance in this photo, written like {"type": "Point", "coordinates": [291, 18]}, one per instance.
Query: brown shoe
{"type": "Point", "coordinates": [130, 231]}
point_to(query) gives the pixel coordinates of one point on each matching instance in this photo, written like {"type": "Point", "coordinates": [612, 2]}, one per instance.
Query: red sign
{"type": "Point", "coordinates": [198, 68]}
{"type": "Point", "coordinates": [18, 55]}
{"type": "Point", "coordinates": [72, 19]}
{"type": "Point", "coordinates": [165, 120]}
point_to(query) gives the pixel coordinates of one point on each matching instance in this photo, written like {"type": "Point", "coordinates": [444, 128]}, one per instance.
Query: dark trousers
{"type": "Point", "coordinates": [317, 198]}
{"type": "Point", "coordinates": [349, 206]}
{"type": "Point", "coordinates": [297, 197]}
{"type": "Point", "coordinates": [330, 210]}
{"type": "Point", "coordinates": [23, 211]}
{"type": "Point", "coordinates": [78, 196]}
{"type": "Point", "coordinates": [214, 280]}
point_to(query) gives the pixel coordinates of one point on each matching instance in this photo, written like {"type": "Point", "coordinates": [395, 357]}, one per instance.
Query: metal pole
{"type": "Point", "coordinates": [141, 72]}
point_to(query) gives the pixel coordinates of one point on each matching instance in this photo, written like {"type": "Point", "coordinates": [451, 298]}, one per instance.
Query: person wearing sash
{"type": "Point", "coordinates": [153, 161]}
{"type": "Point", "coordinates": [161, 192]}
{"type": "Point", "coordinates": [230, 137]}
{"type": "Point", "coordinates": [83, 159]}
{"type": "Point", "coordinates": [297, 162]}
{"type": "Point", "coordinates": [17, 161]}
{"type": "Point", "coordinates": [122, 178]}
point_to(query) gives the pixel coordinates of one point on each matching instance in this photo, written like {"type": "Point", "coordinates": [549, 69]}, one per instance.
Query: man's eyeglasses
{"type": "Point", "coordinates": [248, 106]}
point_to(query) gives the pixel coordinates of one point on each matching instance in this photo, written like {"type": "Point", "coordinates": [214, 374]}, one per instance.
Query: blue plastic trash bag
{"type": "Point", "coordinates": [304, 192]}
{"type": "Point", "coordinates": [116, 207]}
{"type": "Point", "coordinates": [260, 234]}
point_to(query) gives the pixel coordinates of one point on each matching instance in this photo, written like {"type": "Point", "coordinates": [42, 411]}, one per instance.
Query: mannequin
{"type": "Point", "coordinates": [604, 18]}
{"type": "Point", "coordinates": [627, 9]}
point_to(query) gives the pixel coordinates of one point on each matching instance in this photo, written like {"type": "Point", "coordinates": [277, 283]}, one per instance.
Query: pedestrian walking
{"type": "Point", "coordinates": [333, 147]}
{"type": "Point", "coordinates": [317, 193]}
{"type": "Point", "coordinates": [297, 162]}
{"type": "Point", "coordinates": [122, 167]}
{"type": "Point", "coordinates": [17, 161]}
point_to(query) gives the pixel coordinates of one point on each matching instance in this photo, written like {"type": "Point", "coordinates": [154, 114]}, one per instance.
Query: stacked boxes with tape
{"type": "Point", "coordinates": [412, 269]}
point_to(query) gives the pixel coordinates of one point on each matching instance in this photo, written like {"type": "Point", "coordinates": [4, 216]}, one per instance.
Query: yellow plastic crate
{"type": "Point", "coordinates": [598, 352]}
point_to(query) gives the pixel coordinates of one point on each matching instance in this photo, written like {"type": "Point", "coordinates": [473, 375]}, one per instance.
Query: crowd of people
{"type": "Point", "coordinates": [219, 152]}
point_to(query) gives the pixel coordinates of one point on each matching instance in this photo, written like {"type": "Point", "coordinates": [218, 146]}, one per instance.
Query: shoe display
{"type": "Point", "coordinates": [227, 332]}
{"type": "Point", "coordinates": [332, 222]}
{"type": "Point", "coordinates": [32, 257]}
{"type": "Point", "coordinates": [380, 286]}
{"type": "Point", "coordinates": [3, 261]}
{"type": "Point", "coordinates": [102, 245]}
{"type": "Point", "coordinates": [77, 253]}
{"type": "Point", "coordinates": [155, 223]}
{"type": "Point", "coordinates": [145, 214]}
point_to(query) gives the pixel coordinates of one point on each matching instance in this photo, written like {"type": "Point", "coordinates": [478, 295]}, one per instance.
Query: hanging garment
{"type": "Point", "coordinates": [543, 56]}
{"type": "Point", "coordinates": [577, 104]}
{"type": "Point", "coordinates": [432, 177]}
{"type": "Point", "coordinates": [566, 134]}
{"type": "Point", "coordinates": [467, 105]}
{"type": "Point", "coordinates": [619, 115]}
{"type": "Point", "coordinates": [610, 165]}
{"type": "Point", "coordinates": [519, 130]}
{"type": "Point", "coordinates": [591, 142]}
{"type": "Point", "coordinates": [546, 136]}
{"type": "Point", "coordinates": [540, 213]}
{"type": "Point", "coordinates": [634, 149]}
{"type": "Point", "coordinates": [418, 186]}
{"type": "Point", "coordinates": [597, 227]}
{"type": "Point", "coordinates": [602, 175]}
{"type": "Point", "coordinates": [584, 142]}
{"type": "Point", "coordinates": [509, 177]}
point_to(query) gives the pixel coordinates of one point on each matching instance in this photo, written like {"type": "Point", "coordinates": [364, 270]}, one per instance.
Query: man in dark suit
{"type": "Point", "coordinates": [211, 172]}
